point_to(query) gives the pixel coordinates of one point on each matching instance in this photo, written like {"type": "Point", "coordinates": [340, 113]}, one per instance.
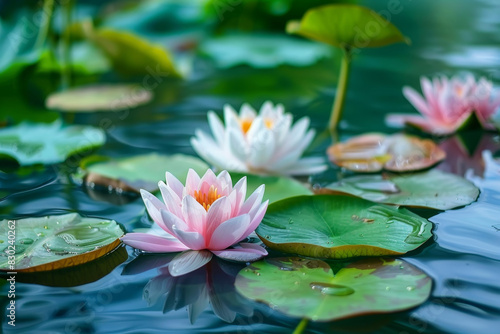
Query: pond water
{"type": "Point", "coordinates": [130, 293]}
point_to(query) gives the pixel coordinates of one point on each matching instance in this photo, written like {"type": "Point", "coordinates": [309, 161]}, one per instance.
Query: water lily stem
{"type": "Point", "coordinates": [338, 104]}
{"type": "Point", "coordinates": [48, 10]}
{"type": "Point", "coordinates": [67, 9]}
{"type": "Point", "coordinates": [301, 326]}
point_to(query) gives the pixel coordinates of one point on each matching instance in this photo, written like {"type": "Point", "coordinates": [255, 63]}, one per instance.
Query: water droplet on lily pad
{"type": "Point", "coordinates": [332, 289]}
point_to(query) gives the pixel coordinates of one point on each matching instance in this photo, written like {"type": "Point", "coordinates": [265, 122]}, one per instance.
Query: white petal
{"type": "Point", "coordinates": [262, 148]}
{"type": "Point", "coordinates": [217, 127]}
{"type": "Point", "coordinates": [188, 261]}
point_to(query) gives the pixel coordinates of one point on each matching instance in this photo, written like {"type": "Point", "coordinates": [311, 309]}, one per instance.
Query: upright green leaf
{"type": "Point", "coordinates": [308, 288]}
{"type": "Point", "coordinates": [48, 243]}
{"type": "Point", "coordinates": [133, 55]}
{"type": "Point", "coordinates": [336, 226]}
{"type": "Point", "coordinates": [346, 26]}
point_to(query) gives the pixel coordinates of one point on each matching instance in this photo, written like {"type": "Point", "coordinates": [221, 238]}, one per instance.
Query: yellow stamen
{"type": "Point", "coordinates": [206, 199]}
{"type": "Point", "coordinates": [247, 123]}
{"type": "Point", "coordinates": [269, 123]}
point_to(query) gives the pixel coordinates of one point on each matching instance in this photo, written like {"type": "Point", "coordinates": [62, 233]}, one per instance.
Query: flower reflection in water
{"type": "Point", "coordinates": [211, 284]}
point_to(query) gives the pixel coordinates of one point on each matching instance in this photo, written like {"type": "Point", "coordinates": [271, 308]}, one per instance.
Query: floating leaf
{"type": "Point", "coordinates": [47, 143]}
{"type": "Point", "coordinates": [54, 242]}
{"type": "Point", "coordinates": [277, 187]}
{"type": "Point", "coordinates": [263, 51]}
{"type": "Point", "coordinates": [374, 152]}
{"type": "Point", "coordinates": [134, 55]}
{"type": "Point", "coordinates": [140, 172]}
{"type": "Point", "coordinates": [308, 288]}
{"type": "Point", "coordinates": [432, 189]}
{"type": "Point", "coordinates": [346, 26]}
{"type": "Point", "coordinates": [101, 97]}
{"type": "Point", "coordinates": [336, 226]}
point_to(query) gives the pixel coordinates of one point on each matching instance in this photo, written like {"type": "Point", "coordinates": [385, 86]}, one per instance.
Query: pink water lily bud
{"type": "Point", "coordinates": [447, 104]}
{"type": "Point", "coordinates": [206, 215]}
{"type": "Point", "coordinates": [263, 143]}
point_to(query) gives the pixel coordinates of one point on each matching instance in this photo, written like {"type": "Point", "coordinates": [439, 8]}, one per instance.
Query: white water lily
{"type": "Point", "coordinates": [263, 143]}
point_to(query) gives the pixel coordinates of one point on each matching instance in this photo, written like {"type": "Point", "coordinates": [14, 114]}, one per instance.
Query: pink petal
{"type": "Point", "coordinates": [219, 212]}
{"type": "Point", "coordinates": [188, 261]}
{"type": "Point", "coordinates": [174, 184]}
{"type": "Point", "coordinates": [244, 254]}
{"type": "Point", "coordinates": [194, 214]}
{"type": "Point", "coordinates": [253, 202]}
{"type": "Point", "coordinates": [192, 182]}
{"type": "Point", "coordinates": [152, 243]}
{"type": "Point", "coordinates": [172, 220]}
{"type": "Point", "coordinates": [208, 180]}
{"type": "Point", "coordinates": [237, 196]}
{"type": "Point", "coordinates": [172, 201]}
{"type": "Point", "coordinates": [193, 240]}
{"type": "Point", "coordinates": [229, 232]}
{"type": "Point", "coordinates": [416, 99]}
{"type": "Point", "coordinates": [256, 219]}
{"type": "Point", "coordinates": [155, 205]}
{"type": "Point", "coordinates": [224, 182]}
{"type": "Point", "coordinates": [156, 215]}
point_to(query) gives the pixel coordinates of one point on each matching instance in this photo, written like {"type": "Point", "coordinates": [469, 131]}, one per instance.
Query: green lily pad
{"type": "Point", "coordinates": [47, 143]}
{"type": "Point", "coordinates": [133, 55]}
{"type": "Point", "coordinates": [263, 51]}
{"type": "Point", "coordinates": [277, 187]}
{"type": "Point", "coordinates": [308, 288]}
{"type": "Point", "coordinates": [337, 226]}
{"type": "Point", "coordinates": [139, 172]}
{"type": "Point", "coordinates": [101, 97]}
{"type": "Point", "coordinates": [54, 242]}
{"type": "Point", "coordinates": [432, 189]}
{"type": "Point", "coordinates": [346, 26]}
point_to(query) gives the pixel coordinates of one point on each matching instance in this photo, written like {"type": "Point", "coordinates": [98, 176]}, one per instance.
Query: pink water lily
{"type": "Point", "coordinates": [447, 104]}
{"type": "Point", "coordinates": [204, 217]}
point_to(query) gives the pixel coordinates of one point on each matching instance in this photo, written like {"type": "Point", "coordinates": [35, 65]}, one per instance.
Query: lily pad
{"type": "Point", "coordinates": [277, 187]}
{"type": "Point", "coordinates": [432, 189]}
{"type": "Point", "coordinates": [54, 242]}
{"type": "Point", "coordinates": [102, 97]}
{"type": "Point", "coordinates": [47, 143]}
{"type": "Point", "coordinates": [263, 51]}
{"type": "Point", "coordinates": [375, 151]}
{"type": "Point", "coordinates": [346, 26]}
{"type": "Point", "coordinates": [308, 288]}
{"type": "Point", "coordinates": [337, 226]}
{"type": "Point", "coordinates": [139, 172]}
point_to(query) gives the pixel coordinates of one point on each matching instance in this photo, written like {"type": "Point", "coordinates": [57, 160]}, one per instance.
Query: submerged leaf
{"type": "Point", "coordinates": [263, 51]}
{"type": "Point", "coordinates": [346, 26]}
{"type": "Point", "coordinates": [307, 288]}
{"type": "Point", "coordinates": [47, 143]}
{"type": "Point", "coordinates": [54, 242]}
{"type": "Point", "coordinates": [101, 97]}
{"type": "Point", "coordinates": [141, 171]}
{"type": "Point", "coordinates": [336, 226]}
{"type": "Point", "coordinates": [432, 189]}
{"type": "Point", "coordinates": [374, 152]}
{"type": "Point", "coordinates": [277, 187]}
